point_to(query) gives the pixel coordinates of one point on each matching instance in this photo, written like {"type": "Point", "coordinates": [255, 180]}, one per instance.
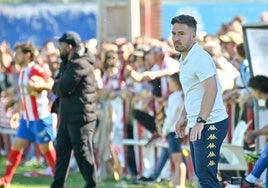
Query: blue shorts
{"type": "Point", "coordinates": [174, 143]}
{"type": "Point", "coordinates": [39, 131]}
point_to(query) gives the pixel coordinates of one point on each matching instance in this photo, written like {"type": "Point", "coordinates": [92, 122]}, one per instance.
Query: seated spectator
{"type": "Point", "coordinates": [259, 86]}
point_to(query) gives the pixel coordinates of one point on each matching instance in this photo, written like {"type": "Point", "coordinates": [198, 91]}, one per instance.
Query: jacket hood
{"type": "Point", "coordinates": [89, 56]}
{"type": "Point", "coordinates": [83, 52]}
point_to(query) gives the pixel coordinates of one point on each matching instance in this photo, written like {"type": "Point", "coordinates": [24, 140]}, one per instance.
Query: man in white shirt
{"type": "Point", "coordinates": [204, 112]}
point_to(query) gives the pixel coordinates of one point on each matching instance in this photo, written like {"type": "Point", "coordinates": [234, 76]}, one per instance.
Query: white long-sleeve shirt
{"type": "Point", "coordinates": [173, 111]}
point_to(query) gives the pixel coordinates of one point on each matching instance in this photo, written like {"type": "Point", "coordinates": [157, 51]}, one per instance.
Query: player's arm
{"type": "Point", "coordinates": [47, 85]}
{"type": "Point", "coordinates": [39, 84]}
{"type": "Point", "coordinates": [136, 76]}
{"type": "Point", "coordinates": [14, 120]}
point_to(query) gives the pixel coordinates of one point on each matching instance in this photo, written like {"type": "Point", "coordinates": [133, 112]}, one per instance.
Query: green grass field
{"type": "Point", "coordinates": [74, 180]}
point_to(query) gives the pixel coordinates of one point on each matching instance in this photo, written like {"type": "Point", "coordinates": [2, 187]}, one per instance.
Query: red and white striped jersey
{"type": "Point", "coordinates": [34, 106]}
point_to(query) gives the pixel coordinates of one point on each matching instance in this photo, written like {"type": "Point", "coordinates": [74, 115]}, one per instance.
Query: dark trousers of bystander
{"type": "Point", "coordinates": [79, 138]}
{"type": "Point", "coordinates": [132, 167]}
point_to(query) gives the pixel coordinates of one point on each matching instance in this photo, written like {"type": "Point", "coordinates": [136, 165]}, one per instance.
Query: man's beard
{"type": "Point", "coordinates": [64, 56]}
{"type": "Point", "coordinates": [179, 47]}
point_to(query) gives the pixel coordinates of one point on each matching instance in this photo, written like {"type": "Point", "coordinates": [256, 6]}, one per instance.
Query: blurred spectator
{"type": "Point", "coordinates": [173, 111]}
{"type": "Point", "coordinates": [226, 71]}
{"type": "Point", "coordinates": [230, 41]}
{"type": "Point", "coordinates": [49, 55]}
{"type": "Point", "coordinates": [91, 45]}
{"type": "Point", "coordinates": [5, 66]}
{"type": "Point", "coordinates": [264, 16]}
{"type": "Point", "coordinates": [245, 93]}
{"type": "Point", "coordinates": [124, 51]}
{"type": "Point", "coordinates": [162, 66]}
{"type": "Point", "coordinates": [224, 28]}
{"type": "Point", "coordinates": [236, 24]}
{"type": "Point", "coordinates": [259, 85]}
{"type": "Point", "coordinates": [111, 123]}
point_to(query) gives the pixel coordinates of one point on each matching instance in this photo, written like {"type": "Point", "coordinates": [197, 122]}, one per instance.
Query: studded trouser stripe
{"type": "Point", "coordinates": [205, 153]}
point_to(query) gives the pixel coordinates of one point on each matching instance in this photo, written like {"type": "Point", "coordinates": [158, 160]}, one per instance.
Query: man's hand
{"type": "Point", "coordinates": [196, 131]}
{"type": "Point", "coordinates": [35, 85]}
{"type": "Point", "coordinates": [14, 120]}
{"type": "Point", "coordinates": [250, 136]}
{"type": "Point", "coordinates": [180, 127]}
{"type": "Point", "coordinates": [128, 70]}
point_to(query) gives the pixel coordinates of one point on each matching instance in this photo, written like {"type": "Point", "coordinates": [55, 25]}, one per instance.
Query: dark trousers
{"type": "Point", "coordinates": [206, 153]}
{"type": "Point", "coordinates": [146, 120]}
{"type": "Point", "coordinates": [132, 167]}
{"type": "Point", "coordinates": [79, 138]}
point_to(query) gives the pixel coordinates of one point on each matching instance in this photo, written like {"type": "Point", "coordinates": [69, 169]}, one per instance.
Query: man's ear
{"type": "Point", "coordinates": [70, 47]}
{"type": "Point", "coordinates": [194, 35]}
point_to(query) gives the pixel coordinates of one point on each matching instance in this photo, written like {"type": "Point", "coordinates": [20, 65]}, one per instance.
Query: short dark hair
{"type": "Point", "coordinates": [185, 19]}
{"type": "Point", "coordinates": [259, 82]}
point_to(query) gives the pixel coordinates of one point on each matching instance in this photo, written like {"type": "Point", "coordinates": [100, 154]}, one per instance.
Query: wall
{"type": "Point", "coordinates": [40, 22]}
{"type": "Point", "coordinates": [210, 15]}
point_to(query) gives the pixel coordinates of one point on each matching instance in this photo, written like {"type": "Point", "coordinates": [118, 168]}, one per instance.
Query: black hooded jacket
{"type": "Point", "coordinates": [75, 87]}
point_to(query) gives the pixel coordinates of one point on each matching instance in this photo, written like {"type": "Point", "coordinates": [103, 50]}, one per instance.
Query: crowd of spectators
{"type": "Point", "coordinates": [128, 82]}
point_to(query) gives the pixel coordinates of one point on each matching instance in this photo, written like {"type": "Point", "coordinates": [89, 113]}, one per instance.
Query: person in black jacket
{"type": "Point", "coordinates": [75, 87]}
